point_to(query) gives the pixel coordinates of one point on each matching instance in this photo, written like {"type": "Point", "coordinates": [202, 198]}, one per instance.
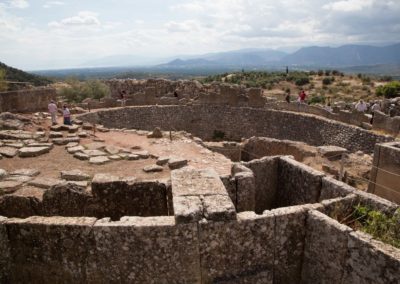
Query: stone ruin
{"type": "Point", "coordinates": [272, 219]}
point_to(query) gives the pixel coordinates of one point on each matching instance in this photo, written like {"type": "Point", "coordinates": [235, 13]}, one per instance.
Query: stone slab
{"type": "Point", "coordinates": [99, 160]}
{"type": "Point", "coordinates": [8, 152]}
{"type": "Point", "coordinates": [75, 175]}
{"type": "Point", "coordinates": [26, 152]}
{"type": "Point", "coordinates": [218, 208]}
{"type": "Point", "coordinates": [187, 209]}
{"type": "Point", "coordinates": [25, 172]}
{"type": "Point", "coordinates": [177, 163]}
{"type": "Point", "coordinates": [153, 168]}
{"type": "Point", "coordinates": [45, 182]}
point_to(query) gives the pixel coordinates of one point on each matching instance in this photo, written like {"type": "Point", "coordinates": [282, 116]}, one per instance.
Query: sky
{"type": "Point", "coordinates": [41, 34]}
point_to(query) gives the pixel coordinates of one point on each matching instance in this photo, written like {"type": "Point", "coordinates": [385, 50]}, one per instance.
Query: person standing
{"type": "Point", "coordinates": [287, 97]}
{"type": "Point", "coordinates": [67, 115]}
{"type": "Point", "coordinates": [361, 106]}
{"type": "Point", "coordinates": [53, 112]}
{"type": "Point", "coordinates": [375, 107]}
{"type": "Point", "coordinates": [302, 97]}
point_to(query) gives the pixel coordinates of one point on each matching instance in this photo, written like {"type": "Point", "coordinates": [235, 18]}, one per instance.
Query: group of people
{"type": "Point", "coordinates": [362, 106]}
{"type": "Point", "coordinates": [53, 109]}
{"type": "Point", "coordinates": [301, 99]}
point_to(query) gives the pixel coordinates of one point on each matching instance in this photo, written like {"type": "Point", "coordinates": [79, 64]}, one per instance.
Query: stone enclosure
{"type": "Point", "coordinates": [272, 219]}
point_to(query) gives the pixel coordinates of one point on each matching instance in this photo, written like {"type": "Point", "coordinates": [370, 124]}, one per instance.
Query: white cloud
{"type": "Point", "coordinates": [50, 4]}
{"type": "Point", "coordinates": [84, 18]}
{"type": "Point", "coordinates": [348, 5]}
{"type": "Point", "coordinates": [20, 4]}
{"type": "Point", "coordinates": [186, 26]}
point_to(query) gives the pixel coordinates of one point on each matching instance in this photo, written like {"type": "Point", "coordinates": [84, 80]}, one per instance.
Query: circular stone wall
{"type": "Point", "coordinates": [235, 123]}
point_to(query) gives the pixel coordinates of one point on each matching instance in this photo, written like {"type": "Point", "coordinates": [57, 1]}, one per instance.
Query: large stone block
{"type": "Point", "coordinates": [266, 181]}
{"type": "Point", "coordinates": [298, 183]}
{"type": "Point", "coordinates": [332, 188]}
{"type": "Point", "coordinates": [370, 261]}
{"type": "Point", "coordinates": [289, 236]}
{"type": "Point", "coordinates": [235, 250]}
{"type": "Point", "coordinates": [49, 249]}
{"type": "Point", "coordinates": [325, 249]}
{"type": "Point", "coordinates": [145, 250]}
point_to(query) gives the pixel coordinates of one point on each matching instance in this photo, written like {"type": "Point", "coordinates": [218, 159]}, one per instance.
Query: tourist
{"type": "Point", "coordinates": [53, 112]}
{"type": "Point", "coordinates": [328, 107]}
{"type": "Point", "coordinates": [123, 98]}
{"type": "Point", "coordinates": [361, 106]}
{"type": "Point", "coordinates": [67, 115]}
{"type": "Point", "coordinates": [302, 97]}
{"type": "Point", "coordinates": [376, 107]}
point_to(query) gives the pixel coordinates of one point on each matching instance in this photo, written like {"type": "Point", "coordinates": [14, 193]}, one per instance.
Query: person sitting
{"type": "Point", "coordinates": [66, 115]}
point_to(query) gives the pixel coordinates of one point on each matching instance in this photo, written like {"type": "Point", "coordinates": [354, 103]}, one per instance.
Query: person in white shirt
{"type": "Point", "coordinates": [67, 115]}
{"type": "Point", "coordinates": [361, 106]}
{"type": "Point", "coordinates": [53, 112]}
{"type": "Point", "coordinates": [376, 107]}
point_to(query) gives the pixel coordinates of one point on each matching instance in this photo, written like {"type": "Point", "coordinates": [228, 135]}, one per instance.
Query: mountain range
{"type": "Point", "coordinates": [343, 56]}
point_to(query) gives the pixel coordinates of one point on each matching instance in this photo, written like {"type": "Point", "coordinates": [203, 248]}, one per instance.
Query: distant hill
{"type": "Point", "coordinates": [16, 75]}
{"type": "Point", "coordinates": [236, 58]}
{"type": "Point", "coordinates": [344, 56]}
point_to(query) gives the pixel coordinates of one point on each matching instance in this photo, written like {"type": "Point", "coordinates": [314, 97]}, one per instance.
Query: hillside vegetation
{"type": "Point", "coordinates": [321, 86]}
{"type": "Point", "coordinates": [15, 75]}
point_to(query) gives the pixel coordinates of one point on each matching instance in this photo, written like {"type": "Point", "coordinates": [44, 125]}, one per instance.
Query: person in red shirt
{"type": "Point", "coordinates": [302, 96]}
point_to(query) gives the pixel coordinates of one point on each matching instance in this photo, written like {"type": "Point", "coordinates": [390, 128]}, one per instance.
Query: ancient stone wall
{"type": "Point", "coordinates": [205, 121]}
{"type": "Point", "coordinates": [293, 244]}
{"type": "Point", "coordinates": [29, 100]}
{"type": "Point", "coordinates": [384, 122]}
{"type": "Point", "coordinates": [385, 173]}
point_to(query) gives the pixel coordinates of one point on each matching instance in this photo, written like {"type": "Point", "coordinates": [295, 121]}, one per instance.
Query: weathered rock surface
{"type": "Point", "coordinates": [332, 152]}
{"type": "Point", "coordinates": [156, 133]}
{"type": "Point", "coordinates": [73, 150]}
{"type": "Point", "coordinates": [81, 156]}
{"type": "Point", "coordinates": [42, 182]}
{"type": "Point", "coordinates": [33, 151]}
{"type": "Point", "coordinates": [176, 163]}
{"type": "Point", "coordinates": [74, 175]}
{"type": "Point", "coordinates": [94, 153]}
{"type": "Point", "coordinates": [25, 172]}
{"type": "Point", "coordinates": [8, 152]}
{"type": "Point", "coordinates": [7, 187]}
{"type": "Point", "coordinates": [161, 161]}
{"type": "Point", "coordinates": [153, 168]}
{"type": "Point", "coordinates": [98, 160]}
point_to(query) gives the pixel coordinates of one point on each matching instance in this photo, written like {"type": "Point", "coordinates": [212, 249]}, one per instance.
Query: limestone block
{"type": "Point", "coordinates": [161, 161]}
{"type": "Point", "coordinates": [22, 179]}
{"type": "Point", "coordinates": [65, 199]}
{"type": "Point", "coordinates": [73, 150]}
{"type": "Point", "coordinates": [237, 249]}
{"type": "Point", "coordinates": [50, 145]}
{"type": "Point", "coordinates": [45, 182]}
{"type": "Point", "coordinates": [265, 172]}
{"type": "Point", "coordinates": [187, 209]}
{"type": "Point", "coordinates": [245, 191]}
{"type": "Point", "coordinates": [54, 134]}
{"type": "Point", "coordinates": [71, 144]}
{"type": "Point", "coordinates": [218, 208]}
{"type": "Point", "coordinates": [332, 188]}
{"type": "Point", "coordinates": [20, 206]}
{"type": "Point", "coordinates": [332, 152]}
{"type": "Point", "coordinates": [153, 168]}
{"type": "Point", "coordinates": [49, 249]}
{"type": "Point", "coordinates": [5, 252]}
{"type": "Point", "coordinates": [73, 128]}
{"type": "Point", "coordinates": [168, 252]}
{"type": "Point", "coordinates": [95, 146]}
{"type": "Point", "coordinates": [129, 197]}
{"type": "Point", "coordinates": [98, 160]}
{"type": "Point", "coordinates": [75, 175]}
{"type": "Point", "coordinates": [290, 233]}
{"type": "Point", "coordinates": [370, 261]}
{"type": "Point", "coordinates": [81, 156]}
{"type": "Point", "coordinates": [176, 163]}
{"type": "Point", "coordinates": [298, 183]}
{"type": "Point", "coordinates": [325, 249]}
{"type": "Point", "coordinates": [25, 172]}
{"type": "Point", "coordinates": [230, 186]}
{"type": "Point", "coordinates": [94, 153]}
{"type": "Point", "coordinates": [8, 152]}
{"type": "Point", "coordinates": [141, 154]}
{"type": "Point", "coordinates": [112, 150]}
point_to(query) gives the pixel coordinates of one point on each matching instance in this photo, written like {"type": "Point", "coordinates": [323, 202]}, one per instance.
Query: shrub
{"type": "Point", "coordinates": [327, 72]}
{"type": "Point", "coordinates": [390, 90]}
{"type": "Point", "coordinates": [317, 100]}
{"type": "Point", "coordinates": [302, 81]}
{"type": "Point", "coordinates": [320, 72]}
{"type": "Point", "coordinates": [327, 81]}
{"type": "Point", "coordinates": [78, 91]}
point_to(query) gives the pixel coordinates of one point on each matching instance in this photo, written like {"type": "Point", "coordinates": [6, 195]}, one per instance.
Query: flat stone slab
{"type": "Point", "coordinates": [73, 150]}
{"type": "Point", "coordinates": [141, 154]}
{"type": "Point", "coordinates": [95, 146]}
{"type": "Point", "coordinates": [187, 209]}
{"type": "Point", "coordinates": [45, 182]}
{"type": "Point", "coordinates": [56, 127]}
{"type": "Point", "coordinates": [74, 175]}
{"type": "Point", "coordinates": [25, 172]}
{"type": "Point", "coordinates": [65, 141]}
{"type": "Point", "coordinates": [73, 128]}
{"type": "Point", "coordinates": [218, 208]}
{"type": "Point", "coordinates": [131, 157]}
{"type": "Point", "coordinates": [19, 178]}
{"type": "Point", "coordinates": [15, 145]}
{"type": "Point", "coordinates": [33, 151]}
{"type": "Point", "coordinates": [81, 156]}
{"type": "Point", "coordinates": [82, 134]}
{"type": "Point", "coordinates": [112, 150]}
{"type": "Point", "coordinates": [332, 152]}
{"type": "Point", "coordinates": [94, 153]}
{"type": "Point", "coordinates": [115, 157]}
{"type": "Point", "coordinates": [177, 163]}
{"type": "Point", "coordinates": [98, 160]}
{"type": "Point", "coordinates": [54, 134]}
{"type": "Point", "coordinates": [82, 184]}
{"type": "Point", "coordinates": [189, 181]}
{"type": "Point", "coordinates": [50, 145]}
{"type": "Point", "coordinates": [87, 126]}
{"type": "Point", "coordinates": [161, 161]}
{"type": "Point", "coordinates": [72, 144]}
{"type": "Point", "coordinates": [8, 152]}
{"type": "Point", "coordinates": [7, 187]}
{"type": "Point", "coordinates": [153, 168]}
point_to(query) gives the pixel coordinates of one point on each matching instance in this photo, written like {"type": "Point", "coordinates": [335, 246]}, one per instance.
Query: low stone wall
{"type": "Point", "coordinates": [283, 245]}
{"type": "Point", "coordinates": [237, 123]}
{"type": "Point", "coordinates": [384, 122]}
{"type": "Point", "coordinates": [29, 100]}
